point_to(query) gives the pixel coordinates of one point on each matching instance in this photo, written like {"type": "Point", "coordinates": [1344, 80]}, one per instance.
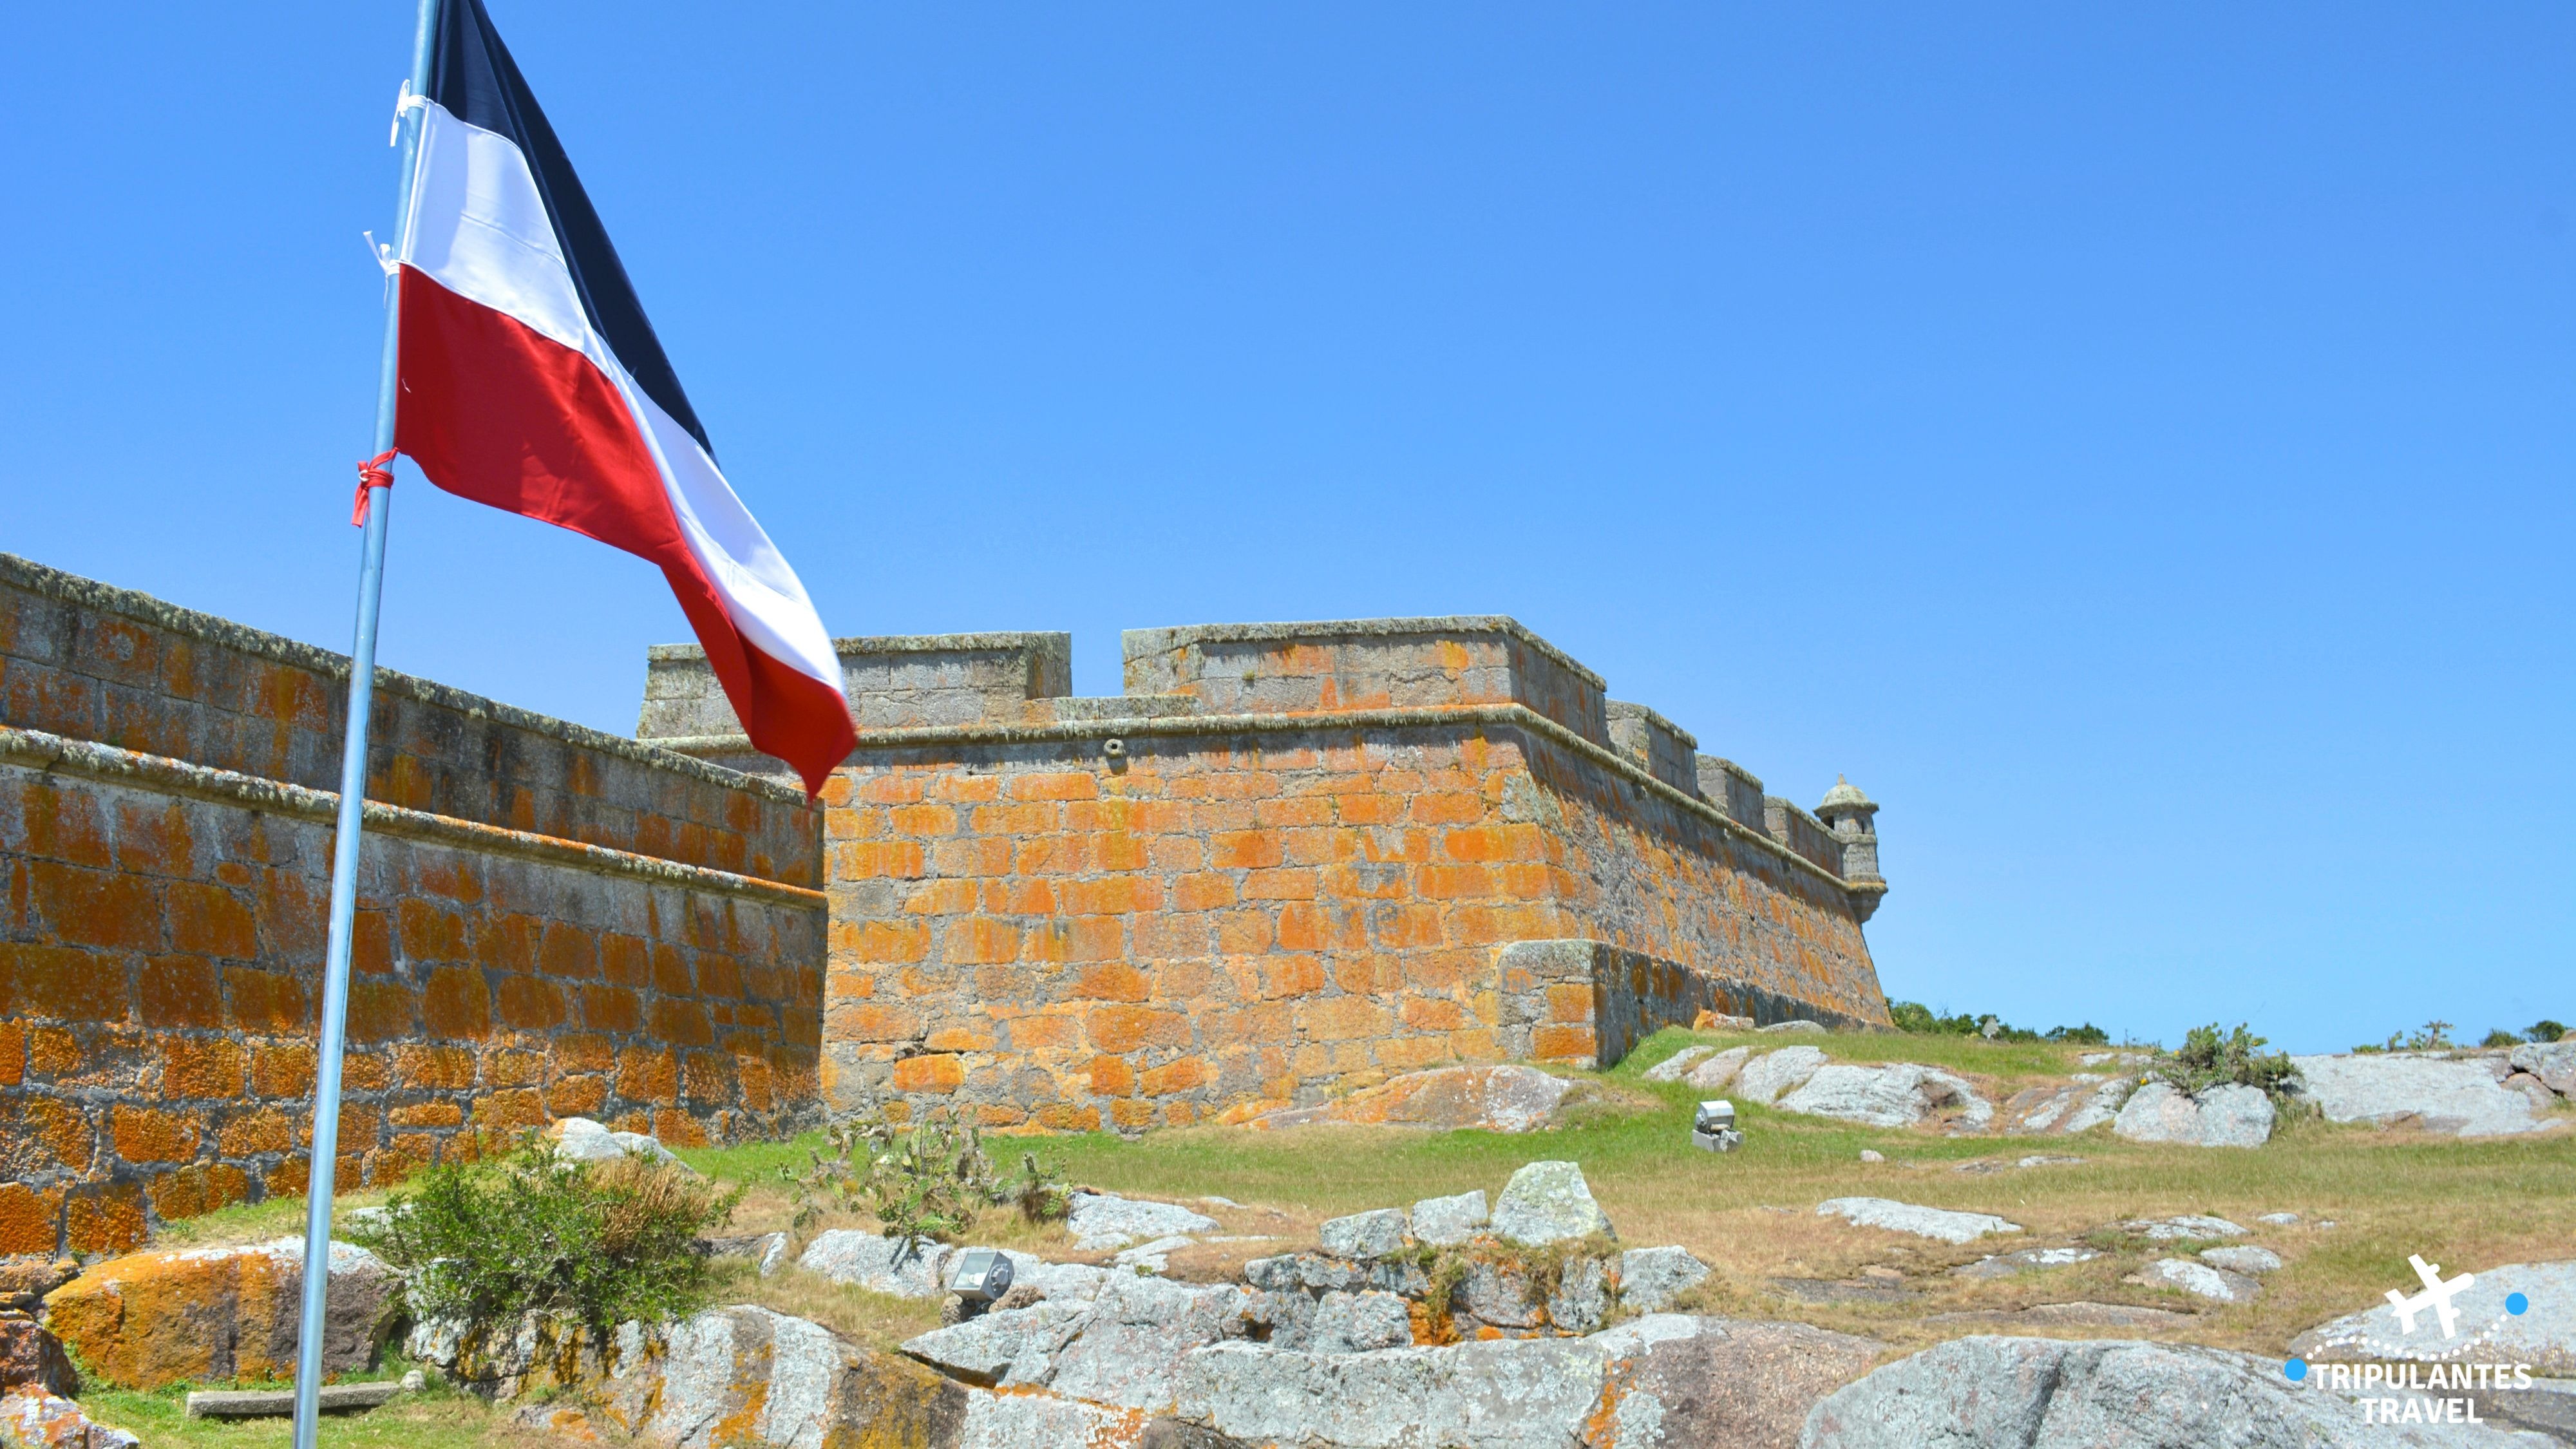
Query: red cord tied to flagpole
{"type": "Point", "coordinates": [371, 474]}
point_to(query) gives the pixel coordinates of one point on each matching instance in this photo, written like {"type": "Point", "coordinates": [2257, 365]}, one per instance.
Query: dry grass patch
{"type": "Point", "coordinates": [1752, 1216]}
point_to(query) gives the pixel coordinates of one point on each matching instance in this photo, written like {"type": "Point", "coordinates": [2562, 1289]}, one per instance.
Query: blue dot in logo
{"type": "Point", "coordinates": [2296, 1368]}
{"type": "Point", "coordinates": [2516, 1303]}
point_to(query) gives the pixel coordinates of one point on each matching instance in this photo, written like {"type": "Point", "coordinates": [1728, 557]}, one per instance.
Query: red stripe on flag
{"type": "Point", "coordinates": [493, 411]}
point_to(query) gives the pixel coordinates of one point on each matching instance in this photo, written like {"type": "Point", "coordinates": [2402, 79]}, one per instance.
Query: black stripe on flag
{"type": "Point", "coordinates": [472, 75]}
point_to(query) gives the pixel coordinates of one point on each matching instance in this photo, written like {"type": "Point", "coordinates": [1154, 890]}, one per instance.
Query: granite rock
{"type": "Point", "coordinates": [2066, 1109]}
{"type": "Point", "coordinates": [1580, 1302]}
{"type": "Point", "coordinates": [1651, 1278]}
{"type": "Point", "coordinates": [1923, 1222]}
{"type": "Point", "coordinates": [1130, 1348]}
{"type": "Point", "coordinates": [2543, 1336]}
{"type": "Point", "coordinates": [579, 1139]}
{"type": "Point", "coordinates": [1359, 1323]}
{"type": "Point", "coordinates": [1794, 1026]}
{"type": "Point", "coordinates": [906, 1268]}
{"type": "Point", "coordinates": [1445, 1221]}
{"type": "Point", "coordinates": [2180, 1229]}
{"type": "Point", "coordinates": [2224, 1116]}
{"type": "Point", "coordinates": [1898, 1094]}
{"type": "Point", "coordinates": [211, 1314]}
{"type": "Point", "coordinates": [1363, 1236]}
{"type": "Point", "coordinates": [2201, 1280]}
{"type": "Point", "coordinates": [2554, 1063]}
{"type": "Point", "coordinates": [2243, 1259]}
{"type": "Point", "coordinates": [1672, 1068]}
{"type": "Point", "coordinates": [1100, 1221]}
{"type": "Point", "coordinates": [49, 1421]}
{"type": "Point", "coordinates": [1765, 1077]}
{"type": "Point", "coordinates": [1713, 1074]}
{"type": "Point", "coordinates": [1548, 1202]}
{"type": "Point", "coordinates": [2459, 1096]}
{"type": "Point", "coordinates": [1012, 1348]}
{"type": "Point", "coordinates": [2102, 1394]}
{"type": "Point", "coordinates": [2027, 1260]}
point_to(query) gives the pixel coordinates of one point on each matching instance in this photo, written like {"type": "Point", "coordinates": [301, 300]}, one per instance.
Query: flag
{"type": "Point", "coordinates": [531, 381]}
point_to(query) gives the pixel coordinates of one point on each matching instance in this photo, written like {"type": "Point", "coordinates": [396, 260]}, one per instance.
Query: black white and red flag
{"type": "Point", "coordinates": [531, 381]}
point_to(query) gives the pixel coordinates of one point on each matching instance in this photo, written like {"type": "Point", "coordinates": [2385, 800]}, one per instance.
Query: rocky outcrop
{"type": "Point", "coordinates": [2553, 1063]}
{"type": "Point", "coordinates": [1662, 1380]}
{"type": "Point", "coordinates": [1898, 1094]}
{"type": "Point", "coordinates": [2460, 1096]}
{"type": "Point", "coordinates": [2181, 1229]}
{"type": "Point", "coordinates": [1101, 1221]}
{"type": "Point", "coordinates": [1449, 1099]}
{"type": "Point", "coordinates": [1765, 1077]}
{"type": "Point", "coordinates": [2201, 1280]}
{"type": "Point", "coordinates": [1367, 1235]}
{"type": "Point", "coordinates": [2106, 1394]}
{"type": "Point", "coordinates": [1922, 1222]}
{"type": "Point", "coordinates": [1548, 1202]}
{"type": "Point", "coordinates": [1651, 1278]}
{"type": "Point", "coordinates": [904, 1267]}
{"type": "Point", "coordinates": [2224, 1116]}
{"type": "Point", "coordinates": [2028, 1260]}
{"type": "Point", "coordinates": [1673, 1068]}
{"type": "Point", "coordinates": [210, 1314]}
{"type": "Point", "coordinates": [2077, 1106]}
{"type": "Point", "coordinates": [1713, 1074]}
{"type": "Point", "coordinates": [2543, 1335]}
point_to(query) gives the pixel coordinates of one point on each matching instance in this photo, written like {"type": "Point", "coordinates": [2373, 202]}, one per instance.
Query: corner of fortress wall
{"type": "Point", "coordinates": [551, 921]}
{"type": "Point", "coordinates": [1288, 862]}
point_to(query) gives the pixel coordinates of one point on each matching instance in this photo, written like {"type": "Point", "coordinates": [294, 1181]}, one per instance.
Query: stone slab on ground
{"type": "Point", "coordinates": [1011, 1348]}
{"type": "Point", "coordinates": [2543, 1336]}
{"type": "Point", "coordinates": [1765, 1077]}
{"type": "Point", "coordinates": [1548, 1202]}
{"type": "Point", "coordinates": [1485, 1098]}
{"type": "Point", "coordinates": [2079, 1314]}
{"type": "Point", "coordinates": [217, 1314]}
{"type": "Point", "coordinates": [2224, 1116]}
{"type": "Point", "coordinates": [1129, 1348]}
{"type": "Point", "coordinates": [2459, 1096]}
{"type": "Point", "coordinates": [2243, 1259]}
{"type": "Point", "coordinates": [2201, 1280]}
{"type": "Point", "coordinates": [1101, 1221]}
{"type": "Point", "coordinates": [1923, 1222]}
{"type": "Point", "coordinates": [1896, 1094]}
{"type": "Point", "coordinates": [280, 1403]}
{"type": "Point", "coordinates": [2180, 1229]}
{"type": "Point", "coordinates": [2027, 1260]}
{"type": "Point", "coordinates": [2105, 1394]}
{"type": "Point", "coordinates": [1446, 1221]}
{"type": "Point", "coordinates": [906, 1268]}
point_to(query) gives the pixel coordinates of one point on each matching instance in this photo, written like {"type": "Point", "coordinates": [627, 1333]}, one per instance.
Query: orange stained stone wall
{"type": "Point", "coordinates": [1210, 926]}
{"type": "Point", "coordinates": [162, 927]}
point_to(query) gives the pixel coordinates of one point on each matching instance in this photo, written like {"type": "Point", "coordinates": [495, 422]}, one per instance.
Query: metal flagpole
{"type": "Point", "coordinates": [353, 790]}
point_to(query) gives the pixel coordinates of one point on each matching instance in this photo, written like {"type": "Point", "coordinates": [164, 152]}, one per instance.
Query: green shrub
{"type": "Point", "coordinates": [2208, 1059]}
{"type": "Point", "coordinates": [1921, 1020]}
{"type": "Point", "coordinates": [597, 1243]}
{"type": "Point", "coordinates": [2545, 1030]}
{"type": "Point", "coordinates": [2501, 1038]}
{"type": "Point", "coordinates": [928, 1181]}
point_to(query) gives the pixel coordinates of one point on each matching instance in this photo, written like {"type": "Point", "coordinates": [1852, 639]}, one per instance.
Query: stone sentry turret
{"type": "Point", "coordinates": [1851, 816]}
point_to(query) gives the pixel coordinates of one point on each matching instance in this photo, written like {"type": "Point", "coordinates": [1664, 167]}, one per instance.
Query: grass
{"type": "Point", "coordinates": [438, 1418]}
{"type": "Point", "coordinates": [1751, 1214]}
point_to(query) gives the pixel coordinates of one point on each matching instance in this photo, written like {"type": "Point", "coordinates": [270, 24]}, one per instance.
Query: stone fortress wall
{"type": "Point", "coordinates": [551, 921]}
{"type": "Point", "coordinates": [1289, 861]}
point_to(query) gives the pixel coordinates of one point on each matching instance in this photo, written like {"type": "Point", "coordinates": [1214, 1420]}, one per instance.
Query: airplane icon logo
{"type": "Point", "coordinates": [2437, 1295]}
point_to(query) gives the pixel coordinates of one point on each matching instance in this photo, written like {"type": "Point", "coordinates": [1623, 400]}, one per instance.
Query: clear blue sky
{"type": "Point", "coordinates": [2132, 443]}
